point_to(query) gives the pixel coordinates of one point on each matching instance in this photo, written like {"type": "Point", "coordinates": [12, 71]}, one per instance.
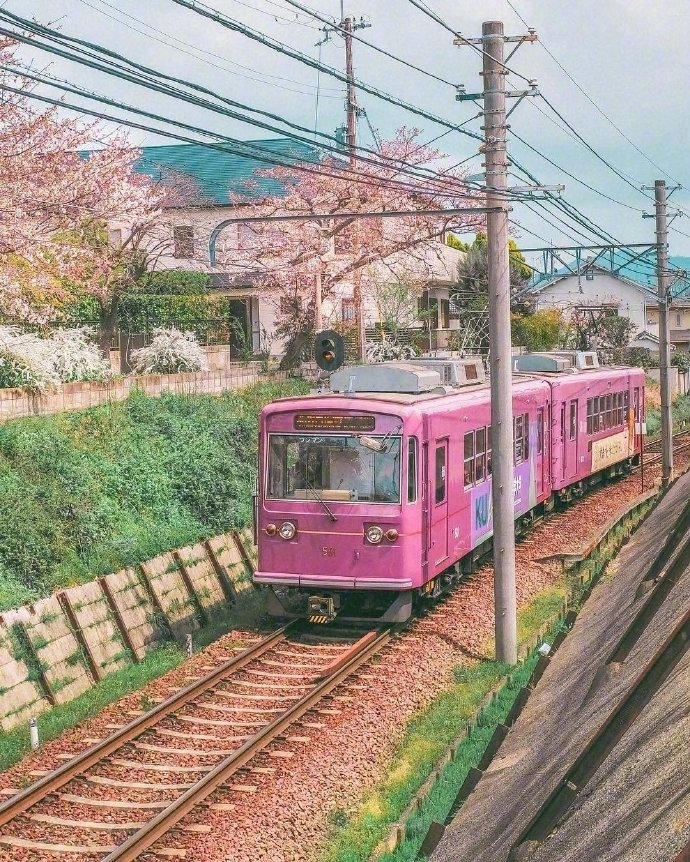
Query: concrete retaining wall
{"type": "Point", "coordinates": [15, 403]}
{"type": "Point", "coordinates": [57, 648]}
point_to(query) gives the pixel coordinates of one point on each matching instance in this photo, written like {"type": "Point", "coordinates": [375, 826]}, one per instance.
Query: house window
{"type": "Point", "coordinates": [115, 237]}
{"type": "Point", "coordinates": [348, 310]}
{"type": "Point", "coordinates": [678, 318]}
{"type": "Point", "coordinates": [183, 240]}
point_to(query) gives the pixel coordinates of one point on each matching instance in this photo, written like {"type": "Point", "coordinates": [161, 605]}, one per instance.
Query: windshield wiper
{"type": "Point", "coordinates": [319, 499]}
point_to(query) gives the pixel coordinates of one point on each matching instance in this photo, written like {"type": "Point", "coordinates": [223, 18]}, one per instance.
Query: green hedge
{"type": "Point", "coordinates": [84, 494]}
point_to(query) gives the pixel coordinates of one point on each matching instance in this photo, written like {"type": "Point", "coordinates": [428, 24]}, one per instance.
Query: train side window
{"type": "Point", "coordinates": [488, 451]}
{"type": "Point", "coordinates": [540, 430]}
{"type": "Point", "coordinates": [517, 440]}
{"type": "Point", "coordinates": [525, 433]}
{"type": "Point", "coordinates": [412, 470]}
{"type": "Point", "coordinates": [440, 474]}
{"type": "Point", "coordinates": [469, 459]}
{"type": "Point", "coordinates": [609, 411]}
{"type": "Point", "coordinates": [480, 455]}
{"type": "Point", "coordinates": [573, 420]}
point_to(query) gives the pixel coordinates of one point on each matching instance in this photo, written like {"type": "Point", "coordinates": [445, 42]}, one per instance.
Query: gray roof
{"type": "Point", "coordinates": [635, 807]}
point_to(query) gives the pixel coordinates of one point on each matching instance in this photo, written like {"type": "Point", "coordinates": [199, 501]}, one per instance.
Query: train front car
{"type": "Point", "coordinates": [337, 515]}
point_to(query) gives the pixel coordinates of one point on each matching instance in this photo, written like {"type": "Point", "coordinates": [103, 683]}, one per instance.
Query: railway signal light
{"type": "Point", "coordinates": [329, 350]}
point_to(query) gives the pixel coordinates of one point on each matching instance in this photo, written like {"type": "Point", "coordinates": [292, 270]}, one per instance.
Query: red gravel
{"type": "Point", "coordinates": [282, 815]}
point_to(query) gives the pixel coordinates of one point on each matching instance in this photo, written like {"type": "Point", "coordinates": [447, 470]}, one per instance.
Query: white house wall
{"type": "Point", "coordinates": [440, 264]}
{"type": "Point", "coordinates": [572, 291]}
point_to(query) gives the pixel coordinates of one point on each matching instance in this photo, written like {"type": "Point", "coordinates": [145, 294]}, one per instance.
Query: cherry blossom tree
{"type": "Point", "coordinates": [288, 257]}
{"type": "Point", "coordinates": [55, 201]}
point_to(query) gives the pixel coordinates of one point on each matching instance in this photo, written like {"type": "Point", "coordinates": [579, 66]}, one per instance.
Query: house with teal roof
{"type": "Point", "coordinates": [622, 285]}
{"type": "Point", "coordinates": [200, 180]}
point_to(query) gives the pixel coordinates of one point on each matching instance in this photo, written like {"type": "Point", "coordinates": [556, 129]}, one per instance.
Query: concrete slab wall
{"type": "Point", "coordinates": [57, 648]}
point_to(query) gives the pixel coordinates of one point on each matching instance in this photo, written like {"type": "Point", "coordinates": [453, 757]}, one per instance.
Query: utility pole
{"type": "Point", "coordinates": [664, 334]}
{"type": "Point", "coordinates": [494, 73]}
{"type": "Point", "coordinates": [501, 375]}
{"type": "Point", "coordinates": [347, 26]}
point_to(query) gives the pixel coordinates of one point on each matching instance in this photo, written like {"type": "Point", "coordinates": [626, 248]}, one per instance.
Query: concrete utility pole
{"type": "Point", "coordinates": [348, 25]}
{"type": "Point", "coordinates": [503, 493]}
{"type": "Point", "coordinates": [664, 335]}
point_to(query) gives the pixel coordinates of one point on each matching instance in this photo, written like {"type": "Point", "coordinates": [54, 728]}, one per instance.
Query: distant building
{"type": "Point", "coordinates": [627, 291]}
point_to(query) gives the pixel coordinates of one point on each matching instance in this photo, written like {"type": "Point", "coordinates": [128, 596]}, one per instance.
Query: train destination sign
{"type": "Point", "coordinates": [332, 422]}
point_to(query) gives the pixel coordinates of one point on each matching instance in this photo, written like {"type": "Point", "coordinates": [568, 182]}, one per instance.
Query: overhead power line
{"type": "Point", "coordinates": [88, 55]}
{"type": "Point", "coordinates": [275, 45]}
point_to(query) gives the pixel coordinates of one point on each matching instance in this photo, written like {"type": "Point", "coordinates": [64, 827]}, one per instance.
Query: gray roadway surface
{"type": "Point", "coordinates": [636, 806]}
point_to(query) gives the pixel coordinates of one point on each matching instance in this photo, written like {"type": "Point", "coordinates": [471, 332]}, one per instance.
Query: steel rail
{"type": "Point", "coordinates": [141, 840]}
{"type": "Point", "coordinates": [58, 778]}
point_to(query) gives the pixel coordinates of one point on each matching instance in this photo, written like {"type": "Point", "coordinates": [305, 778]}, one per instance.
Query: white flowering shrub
{"type": "Point", "coordinates": [76, 356]}
{"type": "Point", "coordinates": [25, 361]}
{"type": "Point", "coordinates": [35, 364]}
{"type": "Point", "coordinates": [170, 351]}
{"type": "Point", "coordinates": [382, 351]}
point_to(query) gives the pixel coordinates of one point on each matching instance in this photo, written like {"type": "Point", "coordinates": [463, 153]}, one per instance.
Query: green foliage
{"type": "Point", "coordinates": [542, 330]}
{"type": "Point", "coordinates": [454, 242]}
{"type": "Point", "coordinates": [174, 282]}
{"type": "Point", "coordinates": [681, 359]}
{"type": "Point", "coordinates": [210, 318]}
{"type": "Point", "coordinates": [84, 494]}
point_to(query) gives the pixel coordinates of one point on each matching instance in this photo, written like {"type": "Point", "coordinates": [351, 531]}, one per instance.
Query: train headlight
{"type": "Point", "coordinates": [374, 535]}
{"type": "Point", "coordinates": [270, 529]}
{"type": "Point", "coordinates": [287, 530]}
{"type": "Point", "coordinates": [392, 534]}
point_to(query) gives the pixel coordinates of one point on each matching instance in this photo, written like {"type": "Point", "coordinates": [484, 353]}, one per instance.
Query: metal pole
{"type": "Point", "coordinates": [317, 304]}
{"type": "Point", "coordinates": [503, 494]}
{"type": "Point", "coordinates": [664, 335]}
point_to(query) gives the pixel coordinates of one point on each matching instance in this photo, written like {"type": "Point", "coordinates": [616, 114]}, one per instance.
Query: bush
{"type": "Point", "coordinates": [84, 494]}
{"type": "Point", "coordinates": [170, 352]}
{"type": "Point", "coordinates": [385, 350]}
{"type": "Point", "coordinates": [25, 361]}
{"type": "Point", "coordinates": [34, 363]}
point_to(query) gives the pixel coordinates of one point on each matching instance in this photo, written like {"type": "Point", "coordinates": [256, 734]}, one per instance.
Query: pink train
{"type": "Point", "coordinates": [378, 493]}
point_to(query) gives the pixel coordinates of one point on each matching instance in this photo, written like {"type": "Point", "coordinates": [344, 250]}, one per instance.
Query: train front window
{"type": "Point", "coordinates": [305, 467]}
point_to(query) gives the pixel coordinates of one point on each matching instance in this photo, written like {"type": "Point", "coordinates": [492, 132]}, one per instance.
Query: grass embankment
{"type": "Point", "coordinates": [426, 739]}
{"type": "Point", "coordinates": [87, 493]}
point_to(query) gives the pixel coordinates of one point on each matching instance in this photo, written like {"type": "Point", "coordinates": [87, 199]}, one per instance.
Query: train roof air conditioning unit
{"type": "Point", "coordinates": [454, 371]}
{"type": "Point", "coordinates": [400, 377]}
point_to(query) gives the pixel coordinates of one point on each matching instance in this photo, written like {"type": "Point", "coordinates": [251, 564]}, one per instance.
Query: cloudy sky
{"type": "Point", "coordinates": [616, 71]}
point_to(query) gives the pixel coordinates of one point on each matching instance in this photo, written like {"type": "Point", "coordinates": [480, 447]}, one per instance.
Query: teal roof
{"type": "Point", "coordinates": [218, 170]}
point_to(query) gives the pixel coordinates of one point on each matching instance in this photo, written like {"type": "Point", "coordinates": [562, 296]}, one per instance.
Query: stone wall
{"type": "Point", "coordinates": [15, 403]}
{"type": "Point", "coordinates": [57, 648]}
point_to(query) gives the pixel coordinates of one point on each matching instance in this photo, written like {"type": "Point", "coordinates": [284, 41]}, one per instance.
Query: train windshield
{"type": "Point", "coordinates": [306, 467]}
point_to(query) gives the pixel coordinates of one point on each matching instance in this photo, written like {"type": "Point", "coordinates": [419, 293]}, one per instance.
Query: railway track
{"type": "Point", "coordinates": [145, 778]}
{"type": "Point", "coordinates": [652, 450]}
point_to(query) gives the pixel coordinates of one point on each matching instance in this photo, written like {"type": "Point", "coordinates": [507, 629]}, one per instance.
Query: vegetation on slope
{"type": "Point", "coordinates": [84, 494]}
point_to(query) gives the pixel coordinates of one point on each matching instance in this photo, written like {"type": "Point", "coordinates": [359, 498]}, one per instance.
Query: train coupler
{"type": "Point", "coordinates": [321, 609]}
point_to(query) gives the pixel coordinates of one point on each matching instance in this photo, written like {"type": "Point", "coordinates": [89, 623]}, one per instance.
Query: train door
{"type": "Point", "coordinates": [569, 438]}
{"type": "Point", "coordinates": [438, 503]}
{"type": "Point", "coordinates": [542, 460]}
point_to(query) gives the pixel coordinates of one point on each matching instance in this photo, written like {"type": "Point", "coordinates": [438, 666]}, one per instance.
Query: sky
{"type": "Point", "coordinates": [616, 71]}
